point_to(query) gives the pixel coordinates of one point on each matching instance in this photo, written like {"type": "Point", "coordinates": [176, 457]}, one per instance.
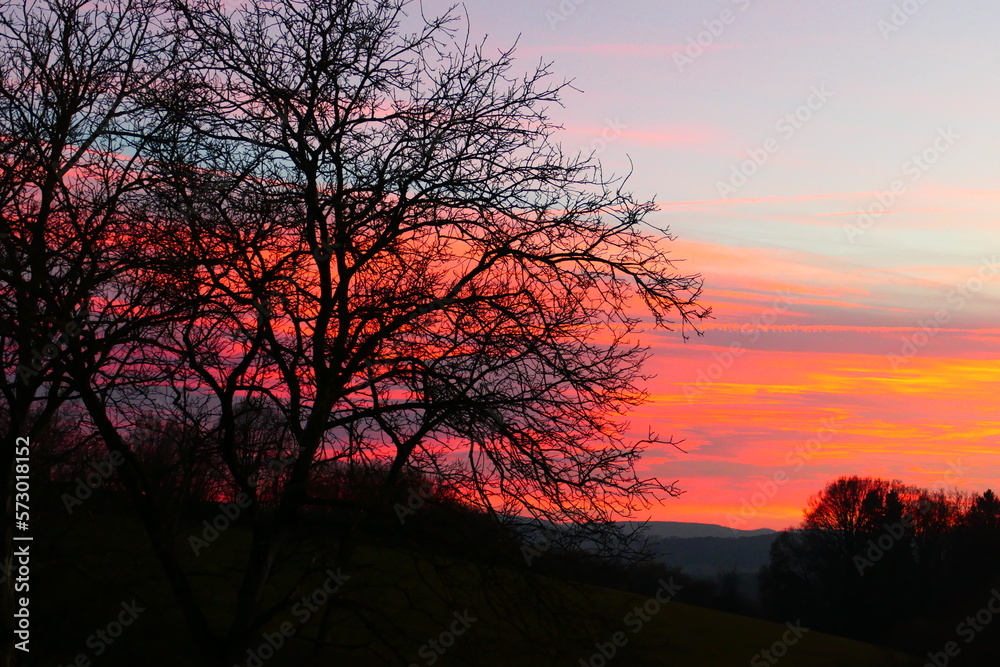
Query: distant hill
{"type": "Point", "coordinates": [700, 551]}
{"type": "Point", "coordinates": [708, 556]}
{"type": "Point", "coordinates": [682, 529]}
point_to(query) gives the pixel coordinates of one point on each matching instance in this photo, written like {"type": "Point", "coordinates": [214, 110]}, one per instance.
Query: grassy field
{"type": "Point", "coordinates": [391, 604]}
{"type": "Point", "coordinates": [686, 636]}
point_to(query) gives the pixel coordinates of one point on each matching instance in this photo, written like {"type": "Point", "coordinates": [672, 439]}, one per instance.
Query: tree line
{"type": "Point", "coordinates": [873, 555]}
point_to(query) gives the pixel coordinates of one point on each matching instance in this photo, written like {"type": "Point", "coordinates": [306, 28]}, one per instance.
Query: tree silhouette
{"type": "Point", "coordinates": [984, 512]}
{"type": "Point", "coordinates": [335, 226]}
{"type": "Point", "coordinates": [72, 84]}
{"type": "Point", "coordinates": [872, 555]}
{"type": "Point", "coordinates": [978, 538]}
{"type": "Point", "coordinates": [849, 566]}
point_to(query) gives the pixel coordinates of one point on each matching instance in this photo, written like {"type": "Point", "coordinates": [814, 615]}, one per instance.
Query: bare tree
{"type": "Point", "coordinates": [346, 214]}
{"type": "Point", "coordinates": [410, 269]}
{"type": "Point", "coordinates": [72, 78]}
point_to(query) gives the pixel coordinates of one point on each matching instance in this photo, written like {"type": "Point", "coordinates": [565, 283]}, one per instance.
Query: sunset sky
{"type": "Point", "coordinates": [765, 145]}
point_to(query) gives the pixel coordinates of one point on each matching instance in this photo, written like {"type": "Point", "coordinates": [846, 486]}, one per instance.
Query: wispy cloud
{"type": "Point", "coordinates": [622, 50]}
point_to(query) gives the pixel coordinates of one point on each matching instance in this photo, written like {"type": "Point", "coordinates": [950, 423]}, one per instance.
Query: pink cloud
{"type": "Point", "coordinates": [625, 50]}
{"type": "Point", "coordinates": [679, 134]}
{"type": "Point", "coordinates": [762, 200]}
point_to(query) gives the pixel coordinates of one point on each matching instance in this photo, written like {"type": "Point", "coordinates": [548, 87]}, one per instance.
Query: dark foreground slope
{"type": "Point", "coordinates": [391, 607]}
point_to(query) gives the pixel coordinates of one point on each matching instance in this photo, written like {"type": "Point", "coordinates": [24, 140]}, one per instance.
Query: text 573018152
{"type": "Point", "coordinates": [21, 567]}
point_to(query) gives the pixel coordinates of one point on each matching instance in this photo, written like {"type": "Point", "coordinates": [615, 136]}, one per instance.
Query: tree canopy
{"type": "Point", "coordinates": [339, 216]}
